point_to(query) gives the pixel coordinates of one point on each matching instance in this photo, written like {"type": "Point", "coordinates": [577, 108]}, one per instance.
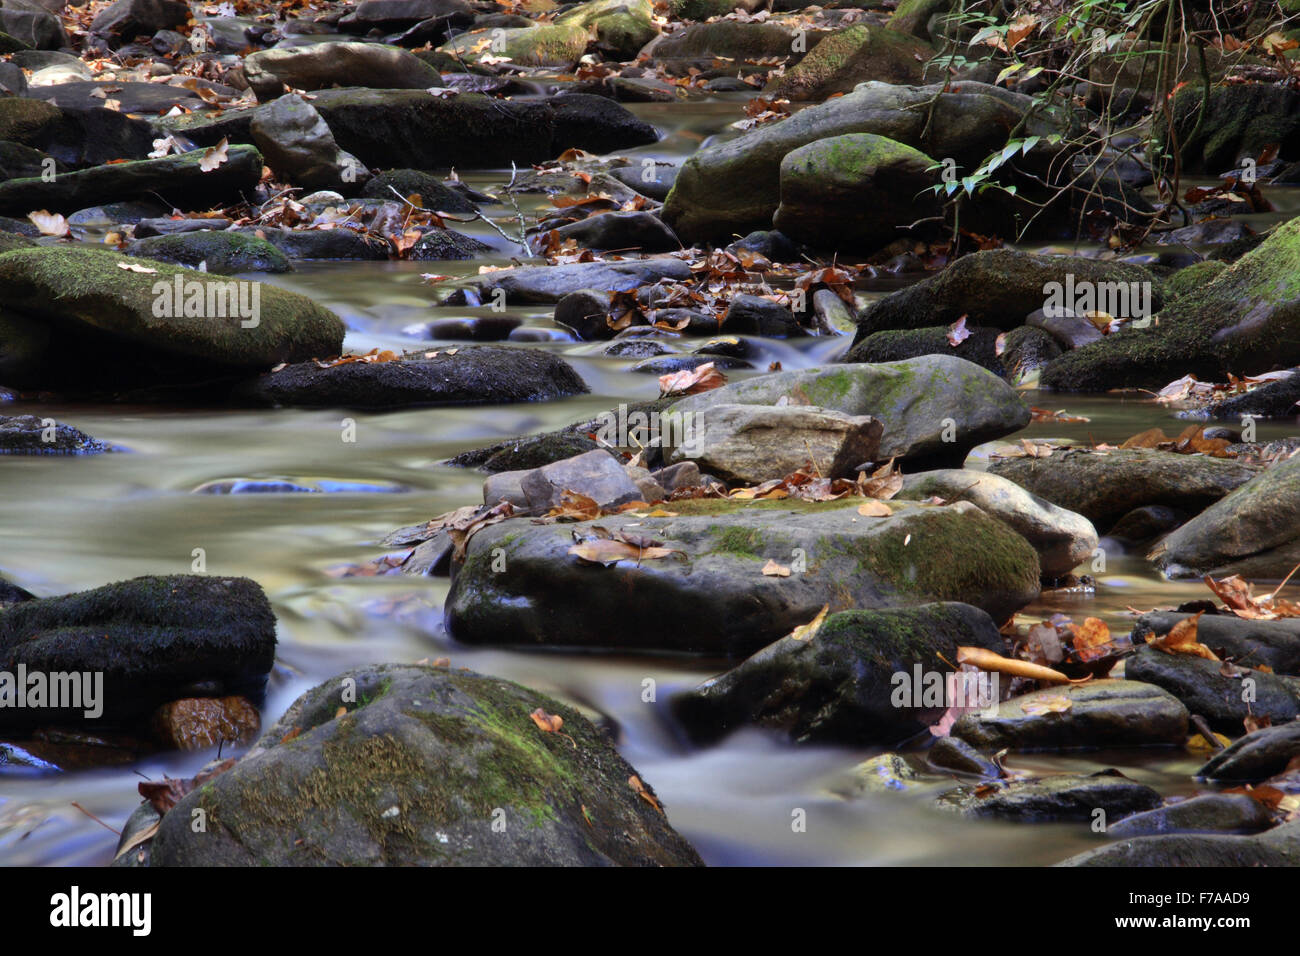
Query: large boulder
{"type": "Point", "coordinates": [735, 187]}
{"type": "Point", "coordinates": [859, 54]}
{"type": "Point", "coordinates": [827, 185]}
{"type": "Point", "coordinates": [546, 284]}
{"type": "Point", "coordinates": [1254, 531]}
{"type": "Point", "coordinates": [474, 375]}
{"type": "Point", "coordinates": [1224, 697]}
{"type": "Point", "coordinates": [127, 19]}
{"type": "Point", "coordinates": [622, 27]}
{"type": "Point", "coordinates": [934, 409]}
{"type": "Point", "coordinates": [709, 594]}
{"type": "Point", "coordinates": [548, 44]}
{"type": "Point", "coordinates": [1238, 121]}
{"type": "Point", "coordinates": [216, 251]}
{"type": "Point", "coordinates": [33, 24]}
{"type": "Point", "coordinates": [154, 640]}
{"type": "Point", "coordinates": [1060, 798]}
{"type": "Point", "coordinates": [115, 321]}
{"type": "Point", "coordinates": [322, 65]}
{"type": "Point", "coordinates": [1001, 287]}
{"type": "Point", "coordinates": [1275, 644]}
{"type": "Point", "coordinates": [407, 765]}
{"type": "Point", "coordinates": [1063, 539]}
{"type": "Point", "coordinates": [1105, 486]}
{"type": "Point", "coordinates": [1245, 320]}
{"type": "Point", "coordinates": [841, 685]}
{"type": "Point", "coordinates": [178, 180]}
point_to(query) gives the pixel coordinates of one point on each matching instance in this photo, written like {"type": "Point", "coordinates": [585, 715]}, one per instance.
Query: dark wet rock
{"type": "Point", "coordinates": [177, 179]}
{"type": "Point", "coordinates": [32, 24]}
{"type": "Point", "coordinates": [390, 15]}
{"type": "Point", "coordinates": [1279, 399]}
{"type": "Point", "coordinates": [653, 180]}
{"type": "Point", "coordinates": [1240, 120]}
{"type": "Point", "coordinates": [1103, 487]}
{"type": "Point", "coordinates": [1062, 538]}
{"type": "Point", "coordinates": [1256, 756]}
{"type": "Point", "coordinates": [625, 231]}
{"type": "Point", "coordinates": [483, 328]}
{"type": "Point", "coordinates": [531, 284]}
{"type": "Point", "coordinates": [934, 409]}
{"type": "Point", "coordinates": [1061, 798]}
{"type": "Point", "coordinates": [1254, 531]}
{"type": "Point", "coordinates": [102, 311]}
{"type": "Point", "coordinates": [154, 639]}
{"type": "Point", "coordinates": [842, 685]}
{"type": "Point", "coordinates": [751, 444]}
{"type": "Point", "coordinates": [322, 65]}
{"type": "Point", "coordinates": [596, 474]}
{"type": "Point", "coordinates": [596, 124]}
{"type": "Point", "coordinates": [444, 245]}
{"type": "Point", "coordinates": [1277, 847]}
{"type": "Point", "coordinates": [33, 435]}
{"type": "Point", "coordinates": [998, 288]}
{"type": "Point", "coordinates": [1245, 320]}
{"type": "Point", "coordinates": [755, 315]}
{"type": "Point", "coordinates": [197, 723]}
{"type": "Point", "coordinates": [891, 345]}
{"type": "Point", "coordinates": [298, 145]}
{"type": "Point", "coordinates": [1207, 813]}
{"type": "Point", "coordinates": [472, 376]}
{"type": "Point", "coordinates": [954, 755]}
{"type": "Point", "coordinates": [1071, 330]}
{"type": "Point", "coordinates": [1146, 523]}
{"type": "Point", "coordinates": [323, 243]}
{"type": "Point", "coordinates": [1224, 701]}
{"type": "Point", "coordinates": [402, 183]}
{"type": "Point", "coordinates": [224, 253]}
{"type": "Point", "coordinates": [14, 759]}
{"type": "Point", "coordinates": [1254, 643]}
{"type": "Point", "coordinates": [23, 162]}
{"type": "Point", "coordinates": [1026, 351]}
{"type": "Point", "coordinates": [713, 598]}
{"type": "Point", "coordinates": [11, 593]}
{"type": "Point", "coordinates": [1207, 232]}
{"type": "Point", "coordinates": [773, 245]}
{"type": "Point", "coordinates": [423, 769]}
{"type": "Point", "coordinates": [87, 97]}
{"type": "Point", "coordinates": [520, 454]}
{"type": "Point", "coordinates": [128, 19]}
{"type": "Point", "coordinates": [851, 56]}
{"type": "Point", "coordinates": [1102, 713]}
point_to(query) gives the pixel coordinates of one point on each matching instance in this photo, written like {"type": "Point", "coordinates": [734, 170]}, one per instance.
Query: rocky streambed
{"type": "Point", "coordinates": [572, 435]}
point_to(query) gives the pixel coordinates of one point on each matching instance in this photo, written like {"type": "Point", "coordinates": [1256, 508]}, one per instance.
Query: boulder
{"type": "Point", "coordinates": [934, 409]}
{"type": "Point", "coordinates": [556, 44]}
{"type": "Point", "coordinates": [298, 145]}
{"type": "Point", "coordinates": [322, 65]}
{"type": "Point", "coordinates": [1207, 813]}
{"type": "Point", "coordinates": [709, 595]}
{"type": "Point", "coordinates": [1224, 701]}
{"type": "Point", "coordinates": [843, 685]}
{"type": "Point", "coordinates": [1256, 756]}
{"type": "Point", "coordinates": [1255, 643]}
{"type": "Point", "coordinates": [219, 252]}
{"type": "Point", "coordinates": [858, 54]}
{"type": "Point", "coordinates": [1063, 539]}
{"type": "Point", "coordinates": [1277, 847]}
{"type": "Point", "coordinates": [893, 345]}
{"type": "Point", "coordinates": [1062, 798]}
{"type": "Point", "coordinates": [127, 19]}
{"type": "Point", "coordinates": [426, 766]}
{"type": "Point", "coordinates": [544, 284]}
{"type": "Point", "coordinates": [31, 435]}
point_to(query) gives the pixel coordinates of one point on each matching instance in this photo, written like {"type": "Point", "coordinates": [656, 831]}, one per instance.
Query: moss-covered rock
{"type": "Point", "coordinates": [408, 765]}
{"type": "Point", "coordinates": [828, 186]}
{"type": "Point", "coordinates": [178, 180]}
{"type": "Point", "coordinates": [848, 57]}
{"type": "Point", "coordinates": [1254, 531]}
{"type": "Point", "coordinates": [433, 194]}
{"type": "Point", "coordinates": [842, 685]}
{"type": "Point", "coordinates": [117, 321]}
{"type": "Point", "coordinates": [154, 639]}
{"type": "Point", "coordinates": [622, 27]}
{"type": "Point", "coordinates": [224, 253]}
{"type": "Point", "coordinates": [711, 598]}
{"type": "Point", "coordinates": [553, 44]}
{"type": "Point", "coordinates": [935, 408]}
{"type": "Point", "coordinates": [1240, 121]}
{"type": "Point", "coordinates": [742, 42]}
{"type": "Point", "coordinates": [1245, 320]}
{"type": "Point", "coordinates": [913, 16]}
{"type": "Point", "coordinates": [1191, 278]}
{"type": "Point", "coordinates": [322, 65]}
{"type": "Point", "coordinates": [1026, 350]}
{"type": "Point", "coordinates": [1103, 487]}
{"type": "Point", "coordinates": [22, 119]}
{"type": "Point", "coordinates": [892, 345]}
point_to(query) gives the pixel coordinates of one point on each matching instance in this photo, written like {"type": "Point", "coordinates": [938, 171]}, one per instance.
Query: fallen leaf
{"type": "Point", "coordinates": [875, 509]}
{"type": "Point", "coordinates": [958, 333]}
{"type": "Point", "coordinates": [49, 223]}
{"type": "Point", "coordinates": [806, 632]}
{"type": "Point", "coordinates": [214, 156]}
{"type": "Point", "coordinates": [644, 792]}
{"type": "Point", "coordinates": [774, 570]}
{"type": "Point", "coordinates": [551, 723]}
{"type": "Point", "coordinates": [987, 660]}
{"type": "Point", "coordinates": [690, 381]}
{"type": "Point", "coordinates": [1047, 704]}
{"type": "Point", "coordinates": [1181, 639]}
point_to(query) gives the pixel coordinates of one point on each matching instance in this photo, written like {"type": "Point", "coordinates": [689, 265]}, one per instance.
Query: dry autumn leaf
{"type": "Point", "coordinates": [608, 551]}
{"type": "Point", "coordinates": [958, 333]}
{"type": "Point", "coordinates": [644, 792]}
{"type": "Point", "coordinates": [214, 156]}
{"type": "Point", "coordinates": [875, 509]}
{"type": "Point", "coordinates": [1181, 639]}
{"type": "Point", "coordinates": [49, 223]}
{"type": "Point", "coordinates": [134, 267]}
{"type": "Point", "coordinates": [772, 569]}
{"type": "Point", "coordinates": [692, 380]}
{"type": "Point", "coordinates": [551, 723]}
{"type": "Point", "coordinates": [987, 660]}
{"type": "Point", "coordinates": [806, 632]}
{"type": "Point", "coordinates": [1047, 704]}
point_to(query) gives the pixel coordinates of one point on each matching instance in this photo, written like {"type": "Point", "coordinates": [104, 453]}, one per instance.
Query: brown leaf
{"type": "Point", "coordinates": [774, 570]}
{"type": "Point", "coordinates": [49, 223]}
{"type": "Point", "coordinates": [214, 156]}
{"type": "Point", "coordinates": [987, 660]}
{"type": "Point", "coordinates": [551, 723]}
{"type": "Point", "coordinates": [1181, 639]}
{"type": "Point", "coordinates": [690, 381]}
{"type": "Point", "coordinates": [644, 792]}
{"type": "Point", "coordinates": [165, 794]}
{"type": "Point", "coordinates": [875, 509]}
{"type": "Point", "coordinates": [608, 551]}
{"type": "Point", "coordinates": [958, 333]}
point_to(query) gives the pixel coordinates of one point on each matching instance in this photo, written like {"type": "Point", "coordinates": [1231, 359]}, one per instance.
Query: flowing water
{"type": "Point", "coordinates": [72, 523]}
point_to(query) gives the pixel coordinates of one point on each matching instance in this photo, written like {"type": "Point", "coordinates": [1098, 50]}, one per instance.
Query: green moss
{"type": "Point", "coordinates": [555, 44]}
{"type": "Point", "coordinates": [21, 119]}
{"type": "Point", "coordinates": [746, 542]}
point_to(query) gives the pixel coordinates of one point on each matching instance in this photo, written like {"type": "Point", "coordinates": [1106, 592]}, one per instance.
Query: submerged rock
{"type": "Point", "coordinates": [427, 767]}
{"type": "Point", "coordinates": [1056, 799]}
{"type": "Point", "coordinates": [842, 685]}
{"type": "Point", "coordinates": [711, 596]}
{"type": "Point", "coordinates": [31, 435]}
